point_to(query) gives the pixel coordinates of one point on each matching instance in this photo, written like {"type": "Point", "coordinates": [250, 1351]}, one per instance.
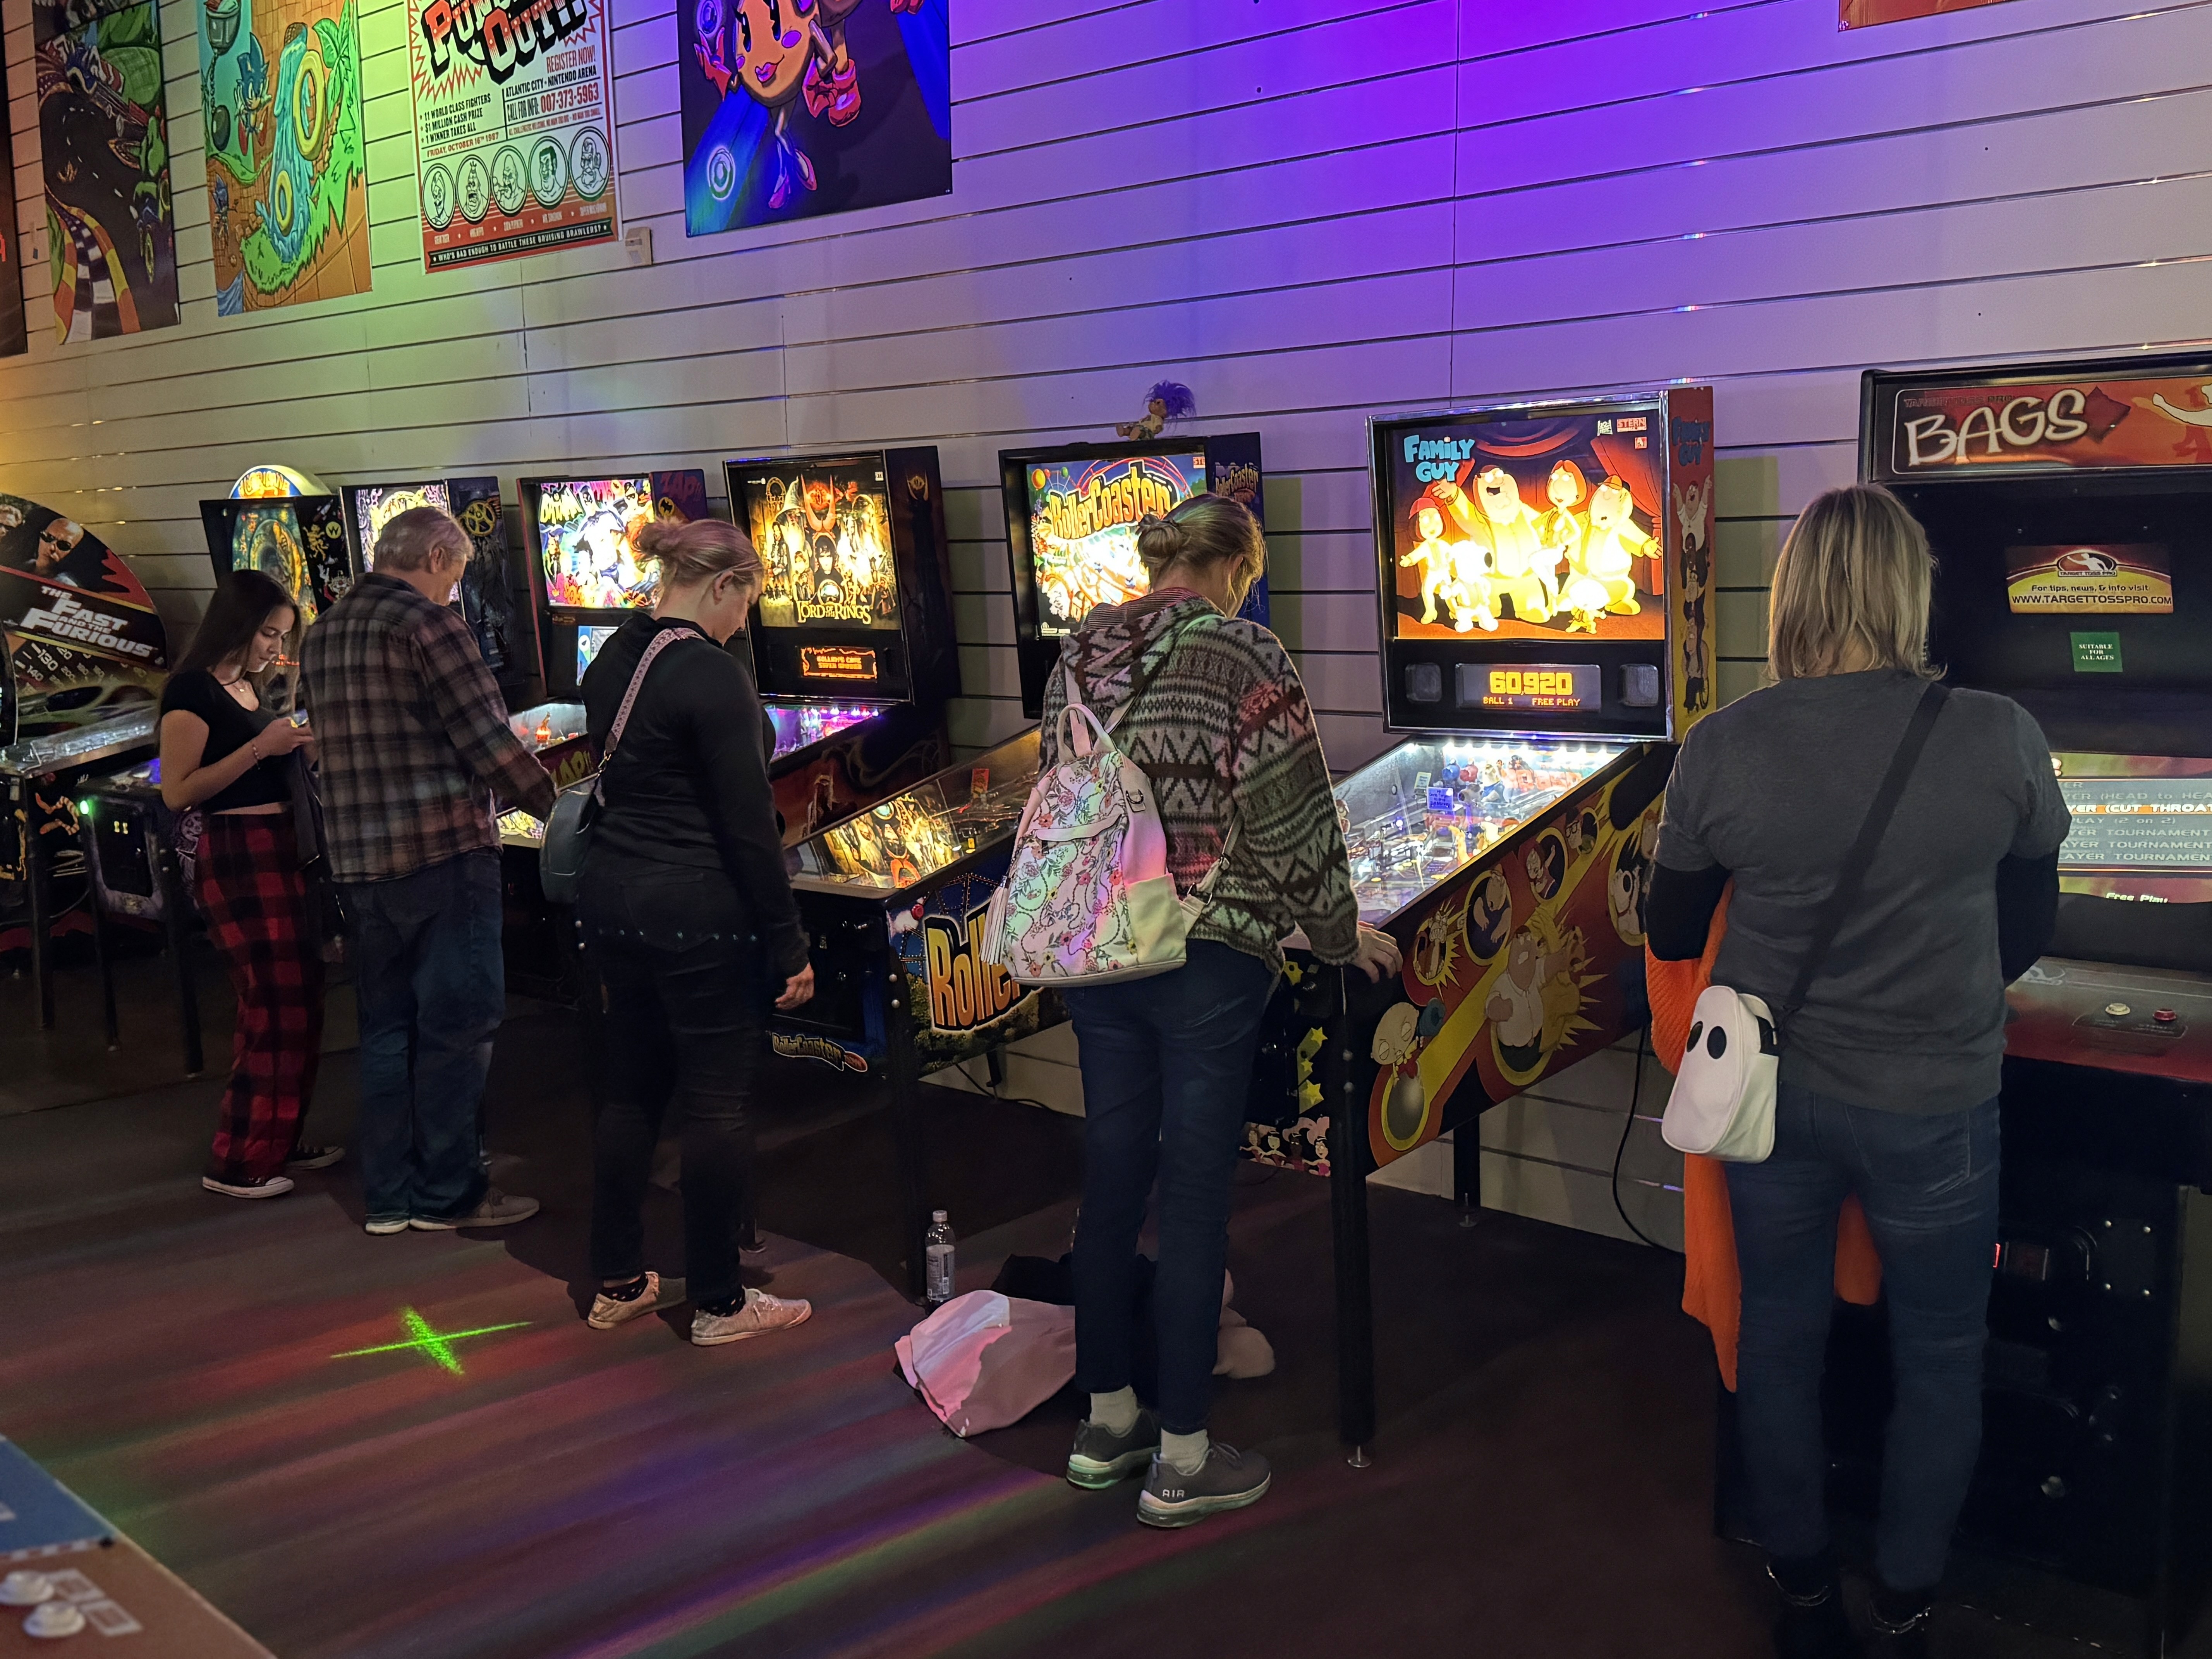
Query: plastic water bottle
{"type": "Point", "coordinates": [938, 1253]}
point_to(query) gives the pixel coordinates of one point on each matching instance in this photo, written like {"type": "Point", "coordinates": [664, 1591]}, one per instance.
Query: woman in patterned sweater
{"type": "Point", "coordinates": [1212, 709]}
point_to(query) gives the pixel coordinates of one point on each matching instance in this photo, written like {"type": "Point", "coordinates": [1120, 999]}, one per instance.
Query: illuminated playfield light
{"type": "Point", "coordinates": [436, 1344]}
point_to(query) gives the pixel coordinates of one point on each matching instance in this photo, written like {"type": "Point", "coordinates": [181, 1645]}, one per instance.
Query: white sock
{"type": "Point", "coordinates": [1185, 1453]}
{"type": "Point", "coordinates": [1116, 1413]}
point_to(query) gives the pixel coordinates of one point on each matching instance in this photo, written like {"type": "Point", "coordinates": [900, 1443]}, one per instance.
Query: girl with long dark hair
{"type": "Point", "coordinates": [227, 767]}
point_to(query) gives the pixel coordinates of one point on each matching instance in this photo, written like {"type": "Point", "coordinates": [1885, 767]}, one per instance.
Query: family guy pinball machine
{"type": "Point", "coordinates": [2070, 510]}
{"type": "Point", "coordinates": [1071, 517]}
{"type": "Point", "coordinates": [495, 594]}
{"type": "Point", "coordinates": [1543, 570]}
{"type": "Point", "coordinates": [85, 658]}
{"type": "Point", "coordinates": [852, 639]}
{"type": "Point", "coordinates": [580, 539]}
{"type": "Point", "coordinates": [893, 900]}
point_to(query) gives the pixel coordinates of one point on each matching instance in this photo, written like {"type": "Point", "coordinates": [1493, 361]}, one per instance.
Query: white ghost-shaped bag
{"type": "Point", "coordinates": [1723, 1103]}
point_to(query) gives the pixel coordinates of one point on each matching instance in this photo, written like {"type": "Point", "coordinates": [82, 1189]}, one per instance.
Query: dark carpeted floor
{"type": "Point", "coordinates": [1541, 1485]}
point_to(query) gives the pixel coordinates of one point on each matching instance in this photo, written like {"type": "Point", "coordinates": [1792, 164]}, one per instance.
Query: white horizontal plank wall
{"type": "Point", "coordinates": [1307, 215]}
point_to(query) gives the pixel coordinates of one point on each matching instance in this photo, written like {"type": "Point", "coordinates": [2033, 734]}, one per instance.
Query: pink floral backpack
{"type": "Point", "coordinates": [1088, 899]}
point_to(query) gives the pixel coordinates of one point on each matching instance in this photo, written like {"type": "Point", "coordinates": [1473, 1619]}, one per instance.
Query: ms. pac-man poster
{"type": "Point", "coordinates": [798, 107]}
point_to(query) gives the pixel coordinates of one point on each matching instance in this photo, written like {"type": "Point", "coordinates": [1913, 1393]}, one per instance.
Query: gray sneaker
{"type": "Point", "coordinates": [1101, 1457]}
{"type": "Point", "coordinates": [495, 1209]}
{"type": "Point", "coordinates": [1229, 1480]}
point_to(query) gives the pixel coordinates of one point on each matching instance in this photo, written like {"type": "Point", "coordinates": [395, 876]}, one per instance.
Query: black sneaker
{"type": "Point", "coordinates": [1901, 1639]}
{"type": "Point", "coordinates": [1228, 1479]}
{"type": "Point", "coordinates": [265, 1186]}
{"type": "Point", "coordinates": [1101, 1458]}
{"type": "Point", "coordinates": [306, 1157]}
{"type": "Point", "coordinates": [1814, 1628]}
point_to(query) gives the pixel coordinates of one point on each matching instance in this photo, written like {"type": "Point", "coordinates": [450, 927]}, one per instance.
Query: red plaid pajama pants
{"type": "Point", "coordinates": [255, 901]}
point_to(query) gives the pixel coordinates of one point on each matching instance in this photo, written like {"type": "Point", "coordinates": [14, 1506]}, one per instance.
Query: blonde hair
{"type": "Point", "coordinates": [407, 539]}
{"type": "Point", "coordinates": [1851, 588]}
{"type": "Point", "coordinates": [692, 551]}
{"type": "Point", "coordinates": [1203, 531]}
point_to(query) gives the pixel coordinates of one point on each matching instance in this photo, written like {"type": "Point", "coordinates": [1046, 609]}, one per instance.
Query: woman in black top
{"type": "Point", "coordinates": [227, 766]}
{"type": "Point", "coordinates": [688, 918]}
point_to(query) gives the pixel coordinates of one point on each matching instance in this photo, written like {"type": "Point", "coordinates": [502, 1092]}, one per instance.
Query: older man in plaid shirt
{"type": "Point", "coordinates": [414, 747]}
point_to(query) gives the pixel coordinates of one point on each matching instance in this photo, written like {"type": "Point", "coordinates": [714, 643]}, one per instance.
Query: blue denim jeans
{"type": "Point", "coordinates": [1929, 1186]}
{"type": "Point", "coordinates": [432, 988]}
{"type": "Point", "coordinates": [1167, 1067]}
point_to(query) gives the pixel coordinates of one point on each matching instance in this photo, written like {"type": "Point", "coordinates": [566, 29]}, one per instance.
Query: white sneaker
{"type": "Point", "coordinates": [267, 1187]}
{"type": "Point", "coordinates": [608, 1311]}
{"type": "Point", "coordinates": [761, 1315]}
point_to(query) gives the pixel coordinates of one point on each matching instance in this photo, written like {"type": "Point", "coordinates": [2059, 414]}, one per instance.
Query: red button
{"type": "Point", "coordinates": [2166, 1016]}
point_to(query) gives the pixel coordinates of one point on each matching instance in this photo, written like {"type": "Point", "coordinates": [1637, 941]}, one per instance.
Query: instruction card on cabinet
{"type": "Point", "coordinates": [513, 127]}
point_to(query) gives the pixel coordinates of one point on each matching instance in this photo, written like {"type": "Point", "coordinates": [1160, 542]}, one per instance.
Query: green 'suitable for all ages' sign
{"type": "Point", "coordinates": [2096, 654]}
{"type": "Point", "coordinates": [513, 127]}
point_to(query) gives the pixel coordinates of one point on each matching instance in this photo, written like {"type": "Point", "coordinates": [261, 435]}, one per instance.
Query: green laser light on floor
{"type": "Point", "coordinates": [436, 1344]}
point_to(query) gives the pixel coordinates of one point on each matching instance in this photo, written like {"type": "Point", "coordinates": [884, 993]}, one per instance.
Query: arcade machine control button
{"type": "Point", "coordinates": [53, 1618]}
{"type": "Point", "coordinates": [2166, 1016]}
{"type": "Point", "coordinates": [2118, 1010]}
{"type": "Point", "coordinates": [25, 1590]}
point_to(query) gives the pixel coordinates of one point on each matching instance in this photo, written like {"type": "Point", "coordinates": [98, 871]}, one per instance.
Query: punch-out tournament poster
{"type": "Point", "coordinates": [798, 107]}
{"type": "Point", "coordinates": [513, 127]}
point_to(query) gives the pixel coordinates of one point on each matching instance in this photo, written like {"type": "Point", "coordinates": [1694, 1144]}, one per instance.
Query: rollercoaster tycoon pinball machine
{"type": "Point", "coordinates": [2069, 505]}
{"type": "Point", "coordinates": [1543, 572]}
{"type": "Point", "coordinates": [893, 898]}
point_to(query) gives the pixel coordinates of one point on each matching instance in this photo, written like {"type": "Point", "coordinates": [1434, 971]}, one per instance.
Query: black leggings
{"type": "Point", "coordinates": [683, 1024]}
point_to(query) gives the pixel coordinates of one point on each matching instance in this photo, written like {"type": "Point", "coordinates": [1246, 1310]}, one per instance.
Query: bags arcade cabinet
{"type": "Point", "coordinates": [853, 640]}
{"type": "Point", "coordinates": [1072, 517]}
{"type": "Point", "coordinates": [1543, 570]}
{"type": "Point", "coordinates": [2069, 508]}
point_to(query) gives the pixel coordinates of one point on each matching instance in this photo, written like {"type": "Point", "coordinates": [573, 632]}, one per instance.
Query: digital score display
{"type": "Point", "coordinates": [836, 662]}
{"type": "Point", "coordinates": [1566, 687]}
{"type": "Point", "coordinates": [2138, 824]}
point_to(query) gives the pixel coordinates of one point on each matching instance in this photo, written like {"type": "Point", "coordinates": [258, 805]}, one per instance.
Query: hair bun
{"type": "Point", "coordinates": [1160, 541]}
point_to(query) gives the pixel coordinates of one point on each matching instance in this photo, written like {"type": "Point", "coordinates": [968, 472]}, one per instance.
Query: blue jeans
{"type": "Point", "coordinates": [1167, 1066]}
{"type": "Point", "coordinates": [432, 987]}
{"type": "Point", "coordinates": [1929, 1186]}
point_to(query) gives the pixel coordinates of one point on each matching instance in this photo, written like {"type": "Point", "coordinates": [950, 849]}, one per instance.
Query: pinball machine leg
{"type": "Point", "coordinates": [1355, 1305]}
{"type": "Point", "coordinates": [88, 837]}
{"type": "Point", "coordinates": [176, 923]}
{"type": "Point", "coordinates": [1466, 1171]}
{"type": "Point", "coordinates": [913, 1151]}
{"type": "Point", "coordinates": [37, 872]}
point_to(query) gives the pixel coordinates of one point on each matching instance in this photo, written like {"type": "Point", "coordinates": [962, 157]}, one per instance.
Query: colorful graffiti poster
{"type": "Point", "coordinates": [1859, 14]}
{"type": "Point", "coordinates": [14, 336]}
{"type": "Point", "coordinates": [793, 109]}
{"type": "Point", "coordinates": [513, 127]}
{"type": "Point", "coordinates": [82, 642]}
{"type": "Point", "coordinates": [287, 155]}
{"type": "Point", "coordinates": [103, 135]}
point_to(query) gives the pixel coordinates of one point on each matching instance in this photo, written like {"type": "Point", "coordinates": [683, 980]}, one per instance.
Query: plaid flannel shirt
{"type": "Point", "coordinates": [412, 733]}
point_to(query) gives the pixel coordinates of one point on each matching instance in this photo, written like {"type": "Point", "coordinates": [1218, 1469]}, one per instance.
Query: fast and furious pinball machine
{"type": "Point", "coordinates": [2070, 510]}
{"type": "Point", "coordinates": [1543, 571]}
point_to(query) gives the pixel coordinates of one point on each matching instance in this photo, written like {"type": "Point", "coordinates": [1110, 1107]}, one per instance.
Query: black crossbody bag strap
{"type": "Point", "coordinates": [1860, 859]}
